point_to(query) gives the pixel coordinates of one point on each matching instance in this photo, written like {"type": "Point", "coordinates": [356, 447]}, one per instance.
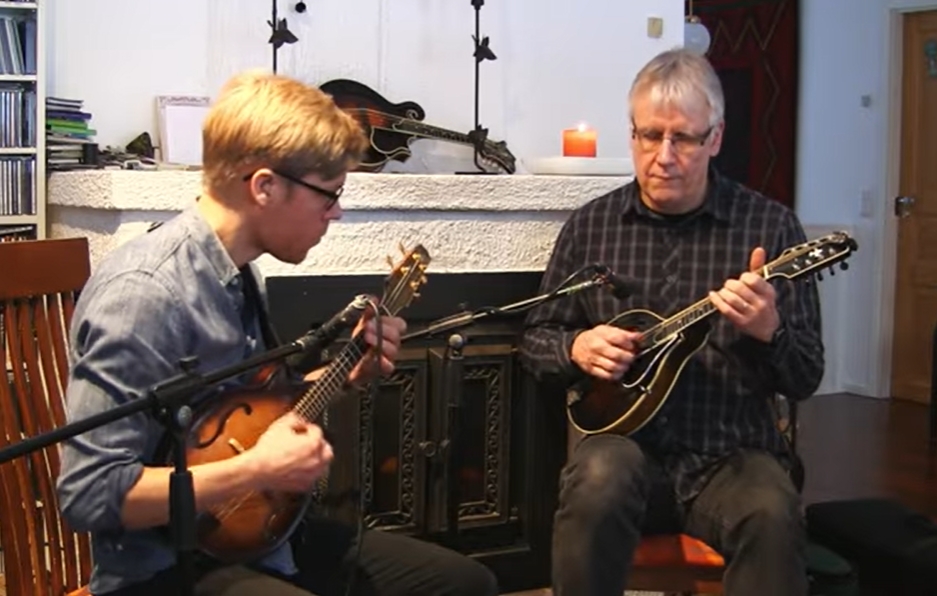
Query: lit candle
{"type": "Point", "coordinates": [579, 142]}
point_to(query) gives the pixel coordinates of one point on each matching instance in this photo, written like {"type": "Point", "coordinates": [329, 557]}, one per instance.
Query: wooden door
{"type": "Point", "coordinates": [916, 282]}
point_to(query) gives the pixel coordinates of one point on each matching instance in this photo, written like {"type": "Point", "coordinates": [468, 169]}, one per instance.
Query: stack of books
{"type": "Point", "coordinates": [69, 140]}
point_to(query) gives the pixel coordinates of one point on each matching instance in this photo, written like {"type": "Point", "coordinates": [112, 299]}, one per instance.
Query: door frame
{"type": "Point", "coordinates": [886, 258]}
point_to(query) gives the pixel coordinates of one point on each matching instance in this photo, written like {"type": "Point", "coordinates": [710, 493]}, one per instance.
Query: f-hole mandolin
{"type": "Point", "coordinates": [391, 127]}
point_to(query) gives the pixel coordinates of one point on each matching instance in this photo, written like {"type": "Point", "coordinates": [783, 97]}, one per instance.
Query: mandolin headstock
{"type": "Point", "coordinates": [813, 256]}
{"type": "Point", "coordinates": [498, 153]}
{"type": "Point", "coordinates": [406, 278]}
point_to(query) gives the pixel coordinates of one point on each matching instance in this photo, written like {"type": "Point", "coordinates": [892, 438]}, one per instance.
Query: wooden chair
{"type": "Point", "coordinates": [681, 564]}
{"type": "Point", "coordinates": [676, 564]}
{"type": "Point", "coordinates": [39, 281]}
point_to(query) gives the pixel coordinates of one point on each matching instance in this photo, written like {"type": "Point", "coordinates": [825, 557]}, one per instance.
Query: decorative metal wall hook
{"type": "Point", "coordinates": [279, 33]}
{"type": "Point", "coordinates": [479, 134]}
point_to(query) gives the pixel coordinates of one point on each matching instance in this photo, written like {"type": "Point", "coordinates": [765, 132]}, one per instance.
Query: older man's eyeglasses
{"type": "Point", "coordinates": [331, 196]}
{"type": "Point", "coordinates": [682, 143]}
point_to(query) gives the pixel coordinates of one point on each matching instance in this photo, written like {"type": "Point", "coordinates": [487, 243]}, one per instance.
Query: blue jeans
{"type": "Point", "coordinates": [611, 493]}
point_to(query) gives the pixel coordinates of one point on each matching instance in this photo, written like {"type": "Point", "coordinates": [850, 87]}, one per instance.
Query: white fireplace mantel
{"type": "Point", "coordinates": [466, 222]}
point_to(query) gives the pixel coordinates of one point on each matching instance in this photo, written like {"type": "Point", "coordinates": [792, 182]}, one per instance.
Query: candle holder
{"type": "Point", "coordinates": [479, 134]}
{"type": "Point", "coordinates": [279, 33]}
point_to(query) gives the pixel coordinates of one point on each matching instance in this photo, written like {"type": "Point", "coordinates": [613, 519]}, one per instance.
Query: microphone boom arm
{"type": "Point", "coordinates": [468, 318]}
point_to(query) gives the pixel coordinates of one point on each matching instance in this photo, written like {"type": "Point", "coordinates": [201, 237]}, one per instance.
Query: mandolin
{"type": "Point", "coordinates": [624, 406]}
{"type": "Point", "coordinates": [253, 524]}
{"type": "Point", "coordinates": [391, 127]}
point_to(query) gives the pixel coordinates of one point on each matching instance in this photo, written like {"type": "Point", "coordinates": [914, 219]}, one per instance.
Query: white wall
{"type": "Point", "coordinates": [118, 54]}
{"type": "Point", "coordinates": [843, 155]}
{"type": "Point", "coordinates": [559, 62]}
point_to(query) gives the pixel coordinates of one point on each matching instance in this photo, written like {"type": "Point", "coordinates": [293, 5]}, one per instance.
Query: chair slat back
{"type": "Point", "coordinates": [39, 283]}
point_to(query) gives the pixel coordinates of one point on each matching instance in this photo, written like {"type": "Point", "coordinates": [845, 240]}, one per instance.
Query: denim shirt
{"type": "Point", "coordinates": [166, 295]}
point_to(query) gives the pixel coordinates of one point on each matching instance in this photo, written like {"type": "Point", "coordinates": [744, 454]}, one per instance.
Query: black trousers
{"type": "Point", "coordinates": [388, 565]}
{"type": "Point", "coordinates": [611, 493]}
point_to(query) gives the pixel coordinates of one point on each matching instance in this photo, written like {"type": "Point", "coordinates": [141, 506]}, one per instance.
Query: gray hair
{"type": "Point", "coordinates": [678, 77]}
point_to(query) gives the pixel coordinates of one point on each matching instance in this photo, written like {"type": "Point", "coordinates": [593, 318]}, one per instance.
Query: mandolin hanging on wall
{"type": "Point", "coordinates": [391, 127]}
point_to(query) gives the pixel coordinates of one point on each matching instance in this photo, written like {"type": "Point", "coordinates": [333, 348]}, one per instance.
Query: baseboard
{"type": "Point", "coordinates": [862, 390]}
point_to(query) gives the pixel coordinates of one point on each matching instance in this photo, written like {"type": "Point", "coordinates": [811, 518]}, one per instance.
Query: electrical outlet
{"type": "Point", "coordinates": [655, 27]}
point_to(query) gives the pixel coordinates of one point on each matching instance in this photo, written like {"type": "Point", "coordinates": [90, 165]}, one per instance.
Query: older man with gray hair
{"type": "Point", "coordinates": [711, 462]}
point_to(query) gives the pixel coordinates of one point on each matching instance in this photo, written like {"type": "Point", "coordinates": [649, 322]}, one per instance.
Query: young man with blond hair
{"type": "Point", "coordinates": [275, 157]}
{"type": "Point", "coordinates": [711, 462]}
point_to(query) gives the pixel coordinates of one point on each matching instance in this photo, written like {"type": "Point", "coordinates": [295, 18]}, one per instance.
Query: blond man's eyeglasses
{"type": "Point", "coordinates": [650, 140]}
{"type": "Point", "coordinates": [331, 196]}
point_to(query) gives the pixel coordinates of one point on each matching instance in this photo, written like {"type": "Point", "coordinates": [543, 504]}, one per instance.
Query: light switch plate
{"type": "Point", "coordinates": [655, 27]}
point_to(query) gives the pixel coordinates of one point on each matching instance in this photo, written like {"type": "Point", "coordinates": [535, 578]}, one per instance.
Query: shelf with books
{"type": "Point", "coordinates": [22, 116]}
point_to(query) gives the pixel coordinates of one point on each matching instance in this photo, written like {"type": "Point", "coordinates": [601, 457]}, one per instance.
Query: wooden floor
{"type": "Point", "coordinates": [858, 447]}
{"type": "Point", "coordinates": [862, 447]}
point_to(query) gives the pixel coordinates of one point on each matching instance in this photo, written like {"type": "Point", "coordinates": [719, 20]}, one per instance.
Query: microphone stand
{"type": "Point", "coordinates": [468, 318]}
{"type": "Point", "coordinates": [169, 401]}
{"type": "Point", "coordinates": [452, 369]}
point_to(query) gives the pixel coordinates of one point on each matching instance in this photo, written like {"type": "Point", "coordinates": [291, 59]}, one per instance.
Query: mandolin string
{"type": "Point", "coordinates": [307, 405]}
{"type": "Point", "coordinates": [337, 380]}
{"type": "Point", "coordinates": [332, 380]}
{"type": "Point", "coordinates": [686, 317]}
{"type": "Point", "coordinates": [392, 117]}
{"type": "Point", "coordinates": [705, 306]}
{"type": "Point", "coordinates": [334, 377]}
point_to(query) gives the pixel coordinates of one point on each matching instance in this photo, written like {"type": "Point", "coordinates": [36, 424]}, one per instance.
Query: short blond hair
{"type": "Point", "coordinates": [266, 120]}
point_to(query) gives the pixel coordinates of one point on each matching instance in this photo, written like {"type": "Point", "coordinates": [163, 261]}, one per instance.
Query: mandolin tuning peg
{"type": "Point", "coordinates": [832, 271]}
{"type": "Point", "coordinates": [819, 276]}
{"type": "Point", "coordinates": [844, 265]}
{"type": "Point", "coordinates": [390, 261]}
{"type": "Point", "coordinates": [422, 279]}
{"type": "Point", "coordinates": [402, 248]}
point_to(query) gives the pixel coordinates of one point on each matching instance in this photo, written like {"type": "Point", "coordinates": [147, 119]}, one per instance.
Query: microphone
{"type": "Point", "coordinates": [621, 287]}
{"type": "Point", "coordinates": [329, 331]}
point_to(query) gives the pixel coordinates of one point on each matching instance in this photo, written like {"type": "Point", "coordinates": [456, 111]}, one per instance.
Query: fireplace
{"type": "Point", "coordinates": [511, 436]}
